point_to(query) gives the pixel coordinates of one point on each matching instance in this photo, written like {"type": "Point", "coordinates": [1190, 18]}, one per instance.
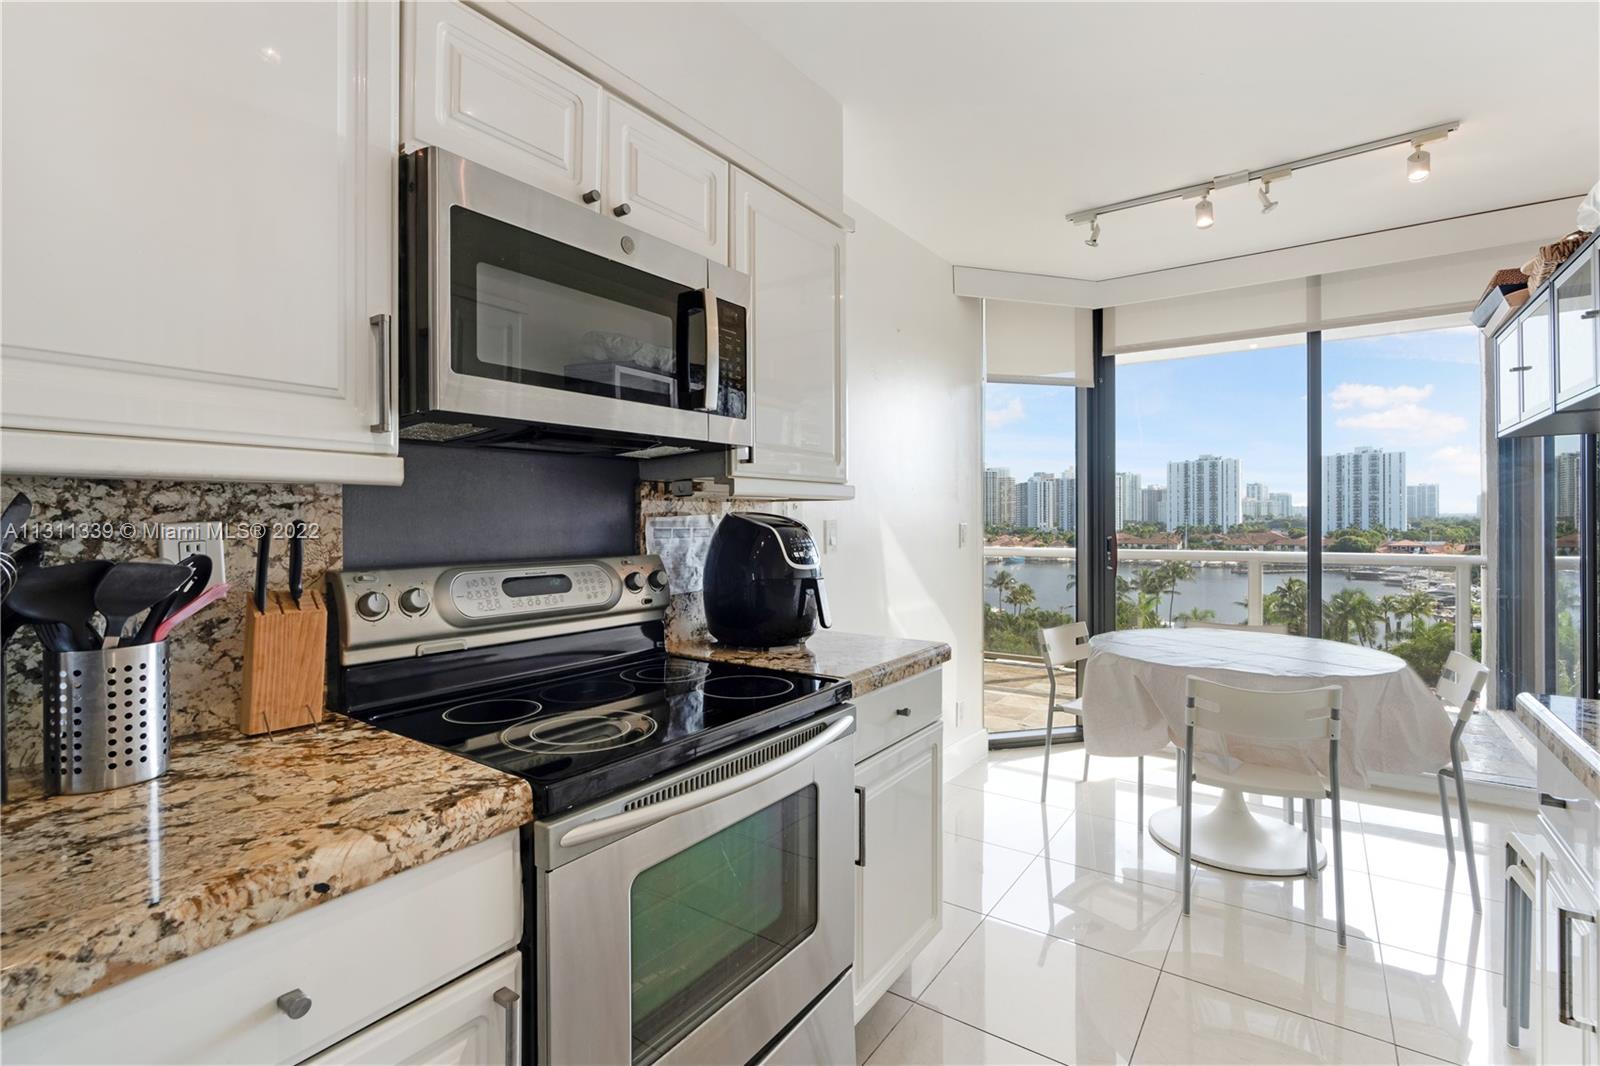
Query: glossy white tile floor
{"type": "Point", "coordinates": [1064, 940]}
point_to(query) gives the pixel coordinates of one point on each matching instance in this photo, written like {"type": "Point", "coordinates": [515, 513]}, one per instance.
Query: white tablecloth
{"type": "Point", "coordinates": [1134, 690]}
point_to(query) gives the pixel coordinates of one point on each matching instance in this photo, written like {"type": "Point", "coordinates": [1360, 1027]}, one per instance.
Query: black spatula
{"type": "Point", "coordinates": [64, 594]}
{"type": "Point", "coordinates": [129, 588]}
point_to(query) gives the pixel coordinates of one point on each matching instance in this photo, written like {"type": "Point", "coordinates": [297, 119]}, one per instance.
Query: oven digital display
{"type": "Point", "coordinates": [536, 585]}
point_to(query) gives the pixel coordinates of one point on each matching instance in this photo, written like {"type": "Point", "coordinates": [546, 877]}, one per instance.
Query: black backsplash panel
{"type": "Point", "coordinates": [462, 505]}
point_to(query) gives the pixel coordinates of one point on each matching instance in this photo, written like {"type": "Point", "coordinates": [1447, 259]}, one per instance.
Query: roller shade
{"type": "Point", "coordinates": [1038, 342]}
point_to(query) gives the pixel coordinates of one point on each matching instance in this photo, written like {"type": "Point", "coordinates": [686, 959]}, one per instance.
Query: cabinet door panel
{"type": "Point", "coordinates": [1578, 329]}
{"type": "Point", "coordinates": [898, 878]}
{"type": "Point", "coordinates": [1538, 356]}
{"type": "Point", "coordinates": [483, 92]}
{"type": "Point", "coordinates": [199, 205]}
{"type": "Point", "coordinates": [670, 186]}
{"type": "Point", "coordinates": [1508, 390]}
{"type": "Point", "coordinates": [795, 260]}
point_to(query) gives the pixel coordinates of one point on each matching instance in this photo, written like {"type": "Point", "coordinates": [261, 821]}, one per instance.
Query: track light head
{"type": "Point", "coordinates": [1267, 202]}
{"type": "Point", "coordinates": [1094, 233]}
{"type": "Point", "coordinates": [1419, 164]}
{"type": "Point", "coordinates": [1204, 215]}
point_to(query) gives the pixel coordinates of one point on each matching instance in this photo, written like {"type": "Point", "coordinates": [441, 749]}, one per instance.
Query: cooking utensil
{"type": "Point", "coordinates": [190, 609]}
{"type": "Point", "coordinates": [263, 556]}
{"type": "Point", "coordinates": [63, 594]}
{"type": "Point", "coordinates": [129, 588]}
{"type": "Point", "coordinates": [297, 560]}
{"type": "Point", "coordinates": [199, 567]}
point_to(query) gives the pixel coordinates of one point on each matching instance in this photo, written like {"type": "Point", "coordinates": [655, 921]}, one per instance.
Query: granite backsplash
{"type": "Point", "coordinates": [84, 518]}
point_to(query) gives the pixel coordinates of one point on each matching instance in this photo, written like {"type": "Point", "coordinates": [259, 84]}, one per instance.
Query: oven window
{"type": "Point", "coordinates": [710, 920]}
{"type": "Point", "coordinates": [532, 310]}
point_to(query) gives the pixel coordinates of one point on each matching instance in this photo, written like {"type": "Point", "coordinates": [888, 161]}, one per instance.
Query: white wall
{"type": "Point", "coordinates": [915, 437]}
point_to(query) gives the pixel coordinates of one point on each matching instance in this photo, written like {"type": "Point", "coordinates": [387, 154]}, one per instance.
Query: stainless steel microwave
{"type": "Point", "coordinates": [530, 321]}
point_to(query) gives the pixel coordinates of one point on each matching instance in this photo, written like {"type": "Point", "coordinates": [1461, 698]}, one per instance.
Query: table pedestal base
{"type": "Point", "coordinates": [1230, 837]}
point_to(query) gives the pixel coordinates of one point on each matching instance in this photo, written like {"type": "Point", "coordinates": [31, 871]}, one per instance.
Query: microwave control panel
{"type": "Point", "coordinates": [734, 356]}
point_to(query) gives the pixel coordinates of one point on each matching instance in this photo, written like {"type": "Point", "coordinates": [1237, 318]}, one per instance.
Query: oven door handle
{"type": "Point", "coordinates": [629, 821]}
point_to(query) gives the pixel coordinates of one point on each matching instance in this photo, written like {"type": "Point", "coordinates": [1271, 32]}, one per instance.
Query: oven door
{"type": "Point", "coordinates": [532, 309]}
{"type": "Point", "coordinates": [700, 935]}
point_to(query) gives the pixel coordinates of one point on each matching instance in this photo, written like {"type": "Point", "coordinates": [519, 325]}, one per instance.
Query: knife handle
{"type": "Point", "coordinates": [297, 560]}
{"type": "Point", "coordinates": [263, 555]}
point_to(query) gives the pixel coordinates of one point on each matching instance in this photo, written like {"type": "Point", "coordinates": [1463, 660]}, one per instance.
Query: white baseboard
{"type": "Point", "coordinates": [966, 753]}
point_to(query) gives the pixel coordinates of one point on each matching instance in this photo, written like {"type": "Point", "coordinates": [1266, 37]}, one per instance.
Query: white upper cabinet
{"type": "Point", "coordinates": [1578, 328]}
{"type": "Point", "coordinates": [476, 89]}
{"type": "Point", "coordinates": [660, 181]}
{"type": "Point", "coordinates": [199, 205]}
{"type": "Point", "coordinates": [795, 260]}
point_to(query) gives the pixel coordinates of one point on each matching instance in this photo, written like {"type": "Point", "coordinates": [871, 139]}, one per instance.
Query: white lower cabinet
{"type": "Point", "coordinates": [475, 1021]}
{"type": "Point", "coordinates": [899, 860]}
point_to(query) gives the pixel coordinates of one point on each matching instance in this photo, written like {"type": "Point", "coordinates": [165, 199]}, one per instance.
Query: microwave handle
{"type": "Point", "coordinates": [628, 821]}
{"type": "Point", "coordinates": [713, 356]}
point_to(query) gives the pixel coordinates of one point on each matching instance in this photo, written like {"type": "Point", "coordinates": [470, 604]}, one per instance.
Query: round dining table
{"type": "Point", "coordinates": [1134, 692]}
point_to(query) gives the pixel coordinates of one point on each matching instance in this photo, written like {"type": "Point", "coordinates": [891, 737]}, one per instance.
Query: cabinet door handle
{"type": "Point", "coordinates": [622, 209]}
{"type": "Point", "coordinates": [1564, 940]}
{"type": "Point", "coordinates": [295, 1003]}
{"type": "Point", "coordinates": [507, 998]}
{"type": "Point", "coordinates": [1593, 312]}
{"type": "Point", "coordinates": [1547, 800]}
{"type": "Point", "coordinates": [1517, 369]}
{"type": "Point", "coordinates": [903, 712]}
{"type": "Point", "coordinates": [592, 196]}
{"type": "Point", "coordinates": [380, 327]}
{"type": "Point", "coordinates": [861, 826]}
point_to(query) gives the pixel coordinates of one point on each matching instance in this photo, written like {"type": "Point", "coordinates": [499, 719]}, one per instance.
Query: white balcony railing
{"type": "Point", "coordinates": [1255, 562]}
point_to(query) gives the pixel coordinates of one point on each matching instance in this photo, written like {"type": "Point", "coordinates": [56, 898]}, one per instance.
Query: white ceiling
{"type": "Point", "coordinates": [976, 127]}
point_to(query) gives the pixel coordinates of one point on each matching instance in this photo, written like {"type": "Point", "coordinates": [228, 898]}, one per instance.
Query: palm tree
{"type": "Point", "coordinates": [1198, 614]}
{"type": "Point", "coordinates": [1393, 610]}
{"type": "Point", "coordinates": [1352, 616]}
{"type": "Point", "coordinates": [1416, 606]}
{"type": "Point", "coordinates": [1286, 605]}
{"type": "Point", "coordinates": [1170, 573]}
{"type": "Point", "coordinates": [1019, 595]}
{"type": "Point", "coordinates": [1003, 582]}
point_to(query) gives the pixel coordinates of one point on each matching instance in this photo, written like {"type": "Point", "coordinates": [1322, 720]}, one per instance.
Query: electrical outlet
{"type": "Point", "coordinates": [961, 534]}
{"type": "Point", "coordinates": [179, 541]}
{"type": "Point", "coordinates": [961, 710]}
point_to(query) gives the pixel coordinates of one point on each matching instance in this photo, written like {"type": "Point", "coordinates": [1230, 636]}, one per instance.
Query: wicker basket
{"type": "Point", "coordinates": [1551, 256]}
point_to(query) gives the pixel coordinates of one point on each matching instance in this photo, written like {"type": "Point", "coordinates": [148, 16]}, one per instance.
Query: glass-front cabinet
{"type": "Point", "coordinates": [1538, 358]}
{"type": "Point", "coordinates": [1578, 330]}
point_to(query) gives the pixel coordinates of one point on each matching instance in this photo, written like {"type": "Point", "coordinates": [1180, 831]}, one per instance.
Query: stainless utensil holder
{"type": "Point", "coordinates": [106, 721]}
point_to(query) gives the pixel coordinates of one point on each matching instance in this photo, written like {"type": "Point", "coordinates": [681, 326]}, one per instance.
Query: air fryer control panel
{"type": "Point", "coordinates": [387, 614]}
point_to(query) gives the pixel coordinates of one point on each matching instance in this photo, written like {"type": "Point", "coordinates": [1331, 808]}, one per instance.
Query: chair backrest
{"type": "Point", "coordinates": [1461, 683]}
{"type": "Point", "coordinates": [1065, 644]}
{"type": "Point", "coordinates": [1271, 627]}
{"type": "Point", "coordinates": [1301, 714]}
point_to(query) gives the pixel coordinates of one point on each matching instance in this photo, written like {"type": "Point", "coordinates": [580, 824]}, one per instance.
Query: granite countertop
{"type": "Point", "coordinates": [1570, 728]}
{"type": "Point", "coordinates": [867, 662]}
{"type": "Point", "coordinates": [241, 832]}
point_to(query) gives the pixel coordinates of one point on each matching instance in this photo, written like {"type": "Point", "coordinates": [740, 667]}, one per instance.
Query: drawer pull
{"type": "Point", "coordinates": [861, 826]}
{"type": "Point", "coordinates": [1547, 800]}
{"type": "Point", "coordinates": [507, 998]}
{"type": "Point", "coordinates": [903, 712]}
{"type": "Point", "coordinates": [1564, 941]}
{"type": "Point", "coordinates": [295, 1003]}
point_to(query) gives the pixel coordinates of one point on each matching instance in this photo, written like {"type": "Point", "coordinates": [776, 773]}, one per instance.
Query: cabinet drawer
{"type": "Point", "coordinates": [1577, 825]}
{"type": "Point", "coordinates": [358, 958]}
{"type": "Point", "coordinates": [886, 715]}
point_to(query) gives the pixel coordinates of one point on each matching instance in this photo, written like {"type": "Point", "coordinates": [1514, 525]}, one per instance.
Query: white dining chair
{"type": "Point", "coordinates": [1067, 646]}
{"type": "Point", "coordinates": [1304, 715]}
{"type": "Point", "coordinates": [1460, 687]}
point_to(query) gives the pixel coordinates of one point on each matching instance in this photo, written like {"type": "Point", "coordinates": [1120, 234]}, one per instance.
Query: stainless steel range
{"type": "Point", "coordinates": [690, 874]}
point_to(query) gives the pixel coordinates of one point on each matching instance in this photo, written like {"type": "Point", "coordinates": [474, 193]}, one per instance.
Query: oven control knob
{"type": "Point", "coordinates": [658, 579]}
{"type": "Point", "coordinates": [414, 600]}
{"type": "Point", "coordinates": [634, 581]}
{"type": "Point", "coordinates": [372, 606]}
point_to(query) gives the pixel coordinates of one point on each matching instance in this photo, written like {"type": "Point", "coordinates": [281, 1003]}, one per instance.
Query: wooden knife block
{"type": "Point", "coordinates": [285, 663]}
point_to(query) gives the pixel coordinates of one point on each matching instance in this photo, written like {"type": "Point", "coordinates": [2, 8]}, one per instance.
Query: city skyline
{"type": "Point", "coordinates": [1417, 393]}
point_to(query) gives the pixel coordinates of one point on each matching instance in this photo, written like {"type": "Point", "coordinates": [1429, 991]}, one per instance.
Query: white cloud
{"type": "Point", "coordinates": [1411, 420]}
{"type": "Point", "coordinates": [1011, 411]}
{"type": "Point", "coordinates": [1352, 394]}
{"type": "Point", "coordinates": [1456, 459]}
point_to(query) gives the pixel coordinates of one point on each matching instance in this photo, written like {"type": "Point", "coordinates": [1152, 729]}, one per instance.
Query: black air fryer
{"type": "Point", "coordinates": [763, 583]}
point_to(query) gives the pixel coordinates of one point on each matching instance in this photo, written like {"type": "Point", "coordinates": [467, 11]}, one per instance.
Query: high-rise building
{"type": "Point", "coordinates": [999, 497]}
{"type": "Point", "coordinates": [1422, 501]}
{"type": "Point", "coordinates": [1363, 489]}
{"type": "Point", "coordinates": [1567, 480]}
{"type": "Point", "coordinates": [1203, 492]}
{"type": "Point", "coordinates": [1280, 505]}
{"type": "Point", "coordinates": [1069, 498]}
{"type": "Point", "coordinates": [1153, 504]}
{"type": "Point", "coordinates": [1041, 502]}
{"type": "Point", "coordinates": [1254, 504]}
{"type": "Point", "coordinates": [1129, 503]}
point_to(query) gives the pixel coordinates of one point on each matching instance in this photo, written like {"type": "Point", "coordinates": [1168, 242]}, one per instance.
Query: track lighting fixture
{"type": "Point", "coordinates": [1267, 202]}
{"type": "Point", "coordinates": [1419, 164]}
{"type": "Point", "coordinates": [1418, 167]}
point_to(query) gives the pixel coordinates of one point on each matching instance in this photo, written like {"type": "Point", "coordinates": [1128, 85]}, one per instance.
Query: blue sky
{"type": "Point", "coordinates": [1412, 392]}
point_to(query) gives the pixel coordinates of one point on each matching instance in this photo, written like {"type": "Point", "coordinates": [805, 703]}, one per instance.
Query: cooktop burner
{"type": "Point", "coordinates": [578, 731]}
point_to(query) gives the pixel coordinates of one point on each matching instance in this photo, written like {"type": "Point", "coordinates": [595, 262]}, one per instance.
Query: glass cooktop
{"type": "Point", "coordinates": [579, 735]}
